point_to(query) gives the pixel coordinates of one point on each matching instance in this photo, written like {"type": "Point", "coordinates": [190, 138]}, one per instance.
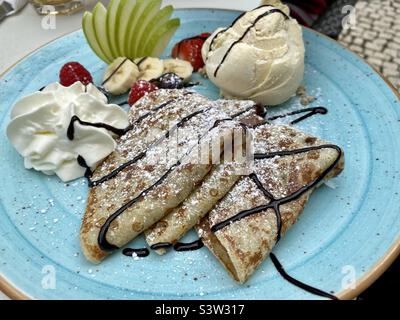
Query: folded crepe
{"type": "Point", "coordinates": [176, 224]}
{"type": "Point", "coordinates": [215, 186]}
{"type": "Point", "coordinates": [244, 226]}
{"type": "Point", "coordinates": [154, 168]}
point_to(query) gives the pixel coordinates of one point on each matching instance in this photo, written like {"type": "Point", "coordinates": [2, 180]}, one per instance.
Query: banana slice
{"type": "Point", "coordinates": [180, 67]}
{"type": "Point", "coordinates": [150, 68]}
{"type": "Point", "coordinates": [120, 75]}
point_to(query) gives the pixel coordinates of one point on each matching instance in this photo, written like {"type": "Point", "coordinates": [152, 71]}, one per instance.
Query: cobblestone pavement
{"type": "Point", "coordinates": [376, 36]}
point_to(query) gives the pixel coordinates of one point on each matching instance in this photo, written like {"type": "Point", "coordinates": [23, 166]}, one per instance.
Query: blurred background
{"type": "Point", "coordinates": [370, 28]}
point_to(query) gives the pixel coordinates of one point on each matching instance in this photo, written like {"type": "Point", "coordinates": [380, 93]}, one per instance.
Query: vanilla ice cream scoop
{"type": "Point", "coordinates": [44, 132]}
{"type": "Point", "coordinates": [260, 57]}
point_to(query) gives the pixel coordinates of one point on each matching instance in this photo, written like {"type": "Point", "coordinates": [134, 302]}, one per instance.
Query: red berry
{"type": "Point", "coordinates": [72, 72]}
{"type": "Point", "coordinates": [139, 89]}
{"type": "Point", "coordinates": [190, 50]}
{"type": "Point", "coordinates": [205, 35]}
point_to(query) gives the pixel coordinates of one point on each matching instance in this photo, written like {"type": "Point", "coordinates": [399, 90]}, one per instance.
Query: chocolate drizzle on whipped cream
{"type": "Point", "coordinates": [274, 10]}
{"type": "Point", "coordinates": [101, 125]}
{"type": "Point", "coordinates": [82, 163]}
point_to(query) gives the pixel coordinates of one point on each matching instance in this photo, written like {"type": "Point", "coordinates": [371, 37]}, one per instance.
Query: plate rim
{"type": "Point", "coordinates": [15, 293]}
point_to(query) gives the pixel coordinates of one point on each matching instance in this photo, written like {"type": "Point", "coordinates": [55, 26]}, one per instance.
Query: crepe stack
{"type": "Point", "coordinates": [240, 208]}
{"type": "Point", "coordinates": [154, 167]}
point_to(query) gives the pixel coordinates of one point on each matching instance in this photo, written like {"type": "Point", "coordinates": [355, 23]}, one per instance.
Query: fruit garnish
{"type": "Point", "coordinates": [72, 72]}
{"type": "Point", "coordinates": [120, 75]}
{"type": "Point", "coordinates": [190, 50]}
{"type": "Point", "coordinates": [139, 89]}
{"type": "Point", "coordinates": [150, 68]}
{"type": "Point", "coordinates": [180, 67]}
{"type": "Point", "coordinates": [169, 81]}
{"type": "Point", "coordinates": [129, 28]}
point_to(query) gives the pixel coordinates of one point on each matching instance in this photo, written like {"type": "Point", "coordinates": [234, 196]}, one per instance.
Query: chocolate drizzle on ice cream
{"type": "Point", "coordinates": [245, 34]}
{"type": "Point", "coordinates": [259, 57]}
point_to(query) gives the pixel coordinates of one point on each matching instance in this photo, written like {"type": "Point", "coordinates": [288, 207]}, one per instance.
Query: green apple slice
{"type": "Point", "coordinates": [99, 24]}
{"type": "Point", "coordinates": [90, 35]}
{"type": "Point", "coordinates": [111, 25]}
{"type": "Point", "coordinates": [162, 17]}
{"type": "Point", "coordinates": [133, 25]}
{"type": "Point", "coordinates": [150, 11]}
{"type": "Point", "coordinates": [129, 28]}
{"type": "Point", "coordinates": [127, 11]}
{"type": "Point", "coordinates": [160, 39]}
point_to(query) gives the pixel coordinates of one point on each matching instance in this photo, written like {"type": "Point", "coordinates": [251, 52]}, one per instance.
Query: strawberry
{"type": "Point", "coordinates": [139, 89]}
{"type": "Point", "coordinates": [190, 50]}
{"type": "Point", "coordinates": [72, 72]}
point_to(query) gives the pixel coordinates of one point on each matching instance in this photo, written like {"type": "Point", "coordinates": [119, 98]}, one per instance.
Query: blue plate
{"type": "Point", "coordinates": [349, 231]}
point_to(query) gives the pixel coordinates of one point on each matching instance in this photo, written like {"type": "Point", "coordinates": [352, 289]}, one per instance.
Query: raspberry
{"type": "Point", "coordinates": [72, 72]}
{"type": "Point", "coordinates": [139, 89]}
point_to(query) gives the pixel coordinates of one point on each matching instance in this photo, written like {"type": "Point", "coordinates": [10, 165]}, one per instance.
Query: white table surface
{"type": "Point", "coordinates": [22, 33]}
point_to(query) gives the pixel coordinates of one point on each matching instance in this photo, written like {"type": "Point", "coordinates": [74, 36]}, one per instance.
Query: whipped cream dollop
{"type": "Point", "coordinates": [40, 121]}
{"type": "Point", "coordinates": [260, 58]}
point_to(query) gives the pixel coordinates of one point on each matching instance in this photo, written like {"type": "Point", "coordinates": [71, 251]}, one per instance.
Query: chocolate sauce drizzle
{"type": "Point", "coordinates": [298, 283]}
{"type": "Point", "coordinates": [75, 118]}
{"type": "Point", "coordinates": [191, 246]}
{"type": "Point", "coordinates": [114, 71]}
{"type": "Point", "coordinates": [123, 103]}
{"type": "Point", "coordinates": [82, 163]}
{"type": "Point", "coordinates": [141, 253]}
{"type": "Point", "coordinates": [275, 10]}
{"type": "Point", "coordinates": [102, 239]}
{"type": "Point", "coordinates": [101, 87]}
{"type": "Point", "coordinates": [179, 246]}
{"type": "Point", "coordinates": [161, 245]}
{"type": "Point", "coordinates": [141, 61]}
{"type": "Point", "coordinates": [232, 25]}
{"type": "Point", "coordinates": [309, 113]}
